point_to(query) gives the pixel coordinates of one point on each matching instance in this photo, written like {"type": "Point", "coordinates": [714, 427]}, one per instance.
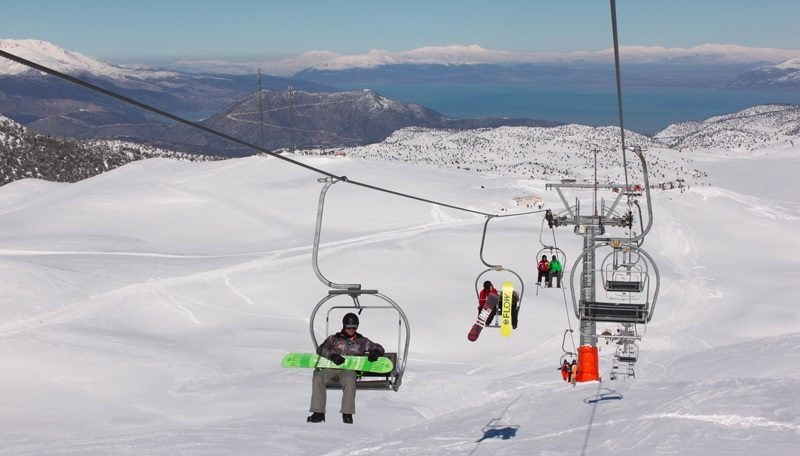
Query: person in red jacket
{"type": "Point", "coordinates": [488, 289]}
{"type": "Point", "coordinates": [544, 271]}
{"type": "Point", "coordinates": [565, 370]}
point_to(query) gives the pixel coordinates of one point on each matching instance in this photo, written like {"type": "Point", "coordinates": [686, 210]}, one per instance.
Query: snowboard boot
{"type": "Point", "coordinates": [347, 418]}
{"type": "Point", "coordinates": [316, 417]}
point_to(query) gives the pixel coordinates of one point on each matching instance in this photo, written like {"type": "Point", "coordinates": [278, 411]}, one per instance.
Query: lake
{"type": "Point", "coordinates": [647, 109]}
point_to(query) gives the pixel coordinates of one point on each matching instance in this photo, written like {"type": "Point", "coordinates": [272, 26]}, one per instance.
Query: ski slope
{"type": "Point", "coordinates": [146, 310]}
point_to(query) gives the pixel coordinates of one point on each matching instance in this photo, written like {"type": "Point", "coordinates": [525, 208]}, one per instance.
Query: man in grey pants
{"type": "Point", "coordinates": [346, 342]}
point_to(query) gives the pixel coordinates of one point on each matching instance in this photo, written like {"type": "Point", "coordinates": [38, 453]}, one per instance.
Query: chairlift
{"type": "Point", "coordinates": [627, 352]}
{"type": "Point", "coordinates": [549, 251]}
{"type": "Point", "coordinates": [365, 380]}
{"type": "Point", "coordinates": [567, 355]}
{"type": "Point", "coordinates": [626, 307]}
{"type": "Point", "coordinates": [624, 271]}
{"type": "Point", "coordinates": [517, 296]}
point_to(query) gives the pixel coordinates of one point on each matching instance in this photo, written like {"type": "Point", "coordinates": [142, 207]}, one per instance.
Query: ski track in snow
{"type": "Point", "coordinates": [273, 258]}
{"type": "Point", "coordinates": [737, 421]}
{"type": "Point", "coordinates": [237, 292]}
{"type": "Point", "coordinates": [693, 288]}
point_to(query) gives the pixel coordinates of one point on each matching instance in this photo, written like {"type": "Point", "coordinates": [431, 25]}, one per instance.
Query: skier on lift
{"type": "Point", "coordinates": [554, 269]}
{"type": "Point", "coordinates": [565, 369]}
{"type": "Point", "coordinates": [488, 289]}
{"type": "Point", "coordinates": [544, 271]}
{"type": "Point", "coordinates": [345, 342]}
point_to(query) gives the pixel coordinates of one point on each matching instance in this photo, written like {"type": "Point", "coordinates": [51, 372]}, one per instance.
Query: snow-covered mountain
{"type": "Point", "coordinates": [784, 74]}
{"type": "Point", "coordinates": [69, 62]}
{"type": "Point", "coordinates": [756, 128]}
{"type": "Point", "coordinates": [476, 54]}
{"type": "Point", "coordinates": [318, 119]}
{"type": "Point", "coordinates": [283, 67]}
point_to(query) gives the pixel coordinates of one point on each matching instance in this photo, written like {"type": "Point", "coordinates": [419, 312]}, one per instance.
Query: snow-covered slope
{"type": "Point", "coordinates": [530, 152]}
{"type": "Point", "coordinates": [145, 311]}
{"type": "Point", "coordinates": [762, 127]}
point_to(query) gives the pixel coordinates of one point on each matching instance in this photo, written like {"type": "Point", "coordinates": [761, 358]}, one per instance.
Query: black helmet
{"type": "Point", "coordinates": [487, 284]}
{"type": "Point", "coordinates": [350, 321]}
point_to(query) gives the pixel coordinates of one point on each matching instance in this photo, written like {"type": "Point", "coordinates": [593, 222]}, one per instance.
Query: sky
{"type": "Point", "coordinates": [149, 29]}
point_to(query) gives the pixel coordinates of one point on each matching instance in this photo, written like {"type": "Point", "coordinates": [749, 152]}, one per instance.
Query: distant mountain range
{"type": "Point", "coordinates": [321, 115]}
{"type": "Point", "coordinates": [710, 65]}
{"type": "Point", "coordinates": [710, 54]}
{"type": "Point", "coordinates": [525, 152]}
{"type": "Point", "coordinates": [53, 106]}
{"type": "Point", "coordinates": [318, 116]}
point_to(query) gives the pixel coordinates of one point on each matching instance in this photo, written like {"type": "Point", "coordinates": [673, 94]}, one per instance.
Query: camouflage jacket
{"type": "Point", "coordinates": [340, 344]}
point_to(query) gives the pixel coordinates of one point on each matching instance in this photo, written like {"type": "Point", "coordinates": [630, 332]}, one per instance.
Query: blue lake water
{"type": "Point", "coordinates": [647, 109]}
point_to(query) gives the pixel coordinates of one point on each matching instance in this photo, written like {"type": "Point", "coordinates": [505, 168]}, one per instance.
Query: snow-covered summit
{"type": "Point", "coordinates": [70, 62]}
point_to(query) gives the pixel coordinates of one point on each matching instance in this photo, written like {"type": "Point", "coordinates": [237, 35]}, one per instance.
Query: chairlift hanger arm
{"type": "Point", "coordinates": [638, 151]}
{"type": "Point", "coordinates": [483, 242]}
{"type": "Point", "coordinates": [317, 234]}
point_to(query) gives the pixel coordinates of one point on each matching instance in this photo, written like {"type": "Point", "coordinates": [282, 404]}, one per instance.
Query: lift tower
{"type": "Point", "coordinates": [628, 275]}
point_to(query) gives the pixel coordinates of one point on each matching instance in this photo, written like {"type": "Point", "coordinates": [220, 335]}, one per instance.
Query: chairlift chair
{"type": "Point", "coordinates": [368, 380]}
{"type": "Point", "coordinates": [624, 271]}
{"type": "Point", "coordinates": [491, 321]}
{"type": "Point", "coordinates": [636, 308]}
{"type": "Point", "coordinates": [549, 252]}
{"type": "Point", "coordinates": [627, 352]}
{"type": "Point", "coordinates": [365, 380]}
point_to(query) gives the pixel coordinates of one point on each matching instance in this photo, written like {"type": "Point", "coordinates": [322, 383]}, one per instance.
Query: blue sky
{"type": "Point", "coordinates": [147, 29]}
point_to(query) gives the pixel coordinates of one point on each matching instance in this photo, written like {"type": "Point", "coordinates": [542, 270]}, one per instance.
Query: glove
{"type": "Point", "coordinates": [373, 355]}
{"type": "Point", "coordinates": [337, 359]}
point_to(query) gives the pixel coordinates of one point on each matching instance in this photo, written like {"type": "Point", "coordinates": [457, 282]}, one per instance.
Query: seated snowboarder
{"type": "Point", "coordinates": [544, 271]}
{"type": "Point", "coordinates": [554, 270]}
{"type": "Point", "coordinates": [488, 289]}
{"type": "Point", "coordinates": [345, 342]}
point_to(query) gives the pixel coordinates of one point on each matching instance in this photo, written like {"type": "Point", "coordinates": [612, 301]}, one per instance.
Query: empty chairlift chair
{"type": "Point", "coordinates": [635, 304]}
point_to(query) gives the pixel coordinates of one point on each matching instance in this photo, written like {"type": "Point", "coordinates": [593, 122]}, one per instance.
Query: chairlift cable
{"type": "Point", "coordinates": [563, 292]}
{"type": "Point", "coordinates": [619, 89]}
{"type": "Point", "coordinates": [232, 139]}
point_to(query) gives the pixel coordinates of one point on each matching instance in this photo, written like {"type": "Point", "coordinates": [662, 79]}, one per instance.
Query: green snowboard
{"type": "Point", "coordinates": [357, 363]}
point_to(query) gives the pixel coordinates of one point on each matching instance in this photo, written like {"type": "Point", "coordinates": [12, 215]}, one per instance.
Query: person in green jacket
{"type": "Point", "coordinates": [555, 270]}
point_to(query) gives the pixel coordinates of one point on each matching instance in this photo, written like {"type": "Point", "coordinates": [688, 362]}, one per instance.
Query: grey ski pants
{"type": "Point", "coordinates": [319, 394]}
